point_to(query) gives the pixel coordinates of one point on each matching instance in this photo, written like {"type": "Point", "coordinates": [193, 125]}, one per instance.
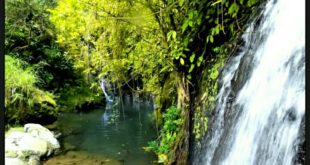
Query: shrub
{"type": "Point", "coordinates": [22, 98]}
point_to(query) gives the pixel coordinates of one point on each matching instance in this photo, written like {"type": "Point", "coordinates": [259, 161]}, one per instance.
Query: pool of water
{"type": "Point", "coordinates": [115, 134]}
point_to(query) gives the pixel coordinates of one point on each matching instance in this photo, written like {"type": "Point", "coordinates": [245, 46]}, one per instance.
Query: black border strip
{"type": "Point", "coordinates": [307, 123]}
{"type": "Point", "coordinates": [2, 79]}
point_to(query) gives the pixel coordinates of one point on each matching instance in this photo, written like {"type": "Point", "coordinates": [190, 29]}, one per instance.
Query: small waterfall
{"type": "Point", "coordinates": [102, 83]}
{"type": "Point", "coordinates": [260, 109]}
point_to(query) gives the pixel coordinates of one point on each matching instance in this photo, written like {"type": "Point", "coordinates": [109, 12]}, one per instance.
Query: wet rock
{"type": "Point", "coordinates": [243, 72]}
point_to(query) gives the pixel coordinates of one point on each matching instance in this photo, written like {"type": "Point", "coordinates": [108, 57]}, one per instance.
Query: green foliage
{"type": "Point", "coordinates": [29, 36]}
{"type": "Point", "coordinates": [75, 97]}
{"type": "Point", "coordinates": [22, 98]}
{"type": "Point", "coordinates": [208, 92]}
{"type": "Point", "coordinates": [168, 134]}
{"type": "Point", "coordinates": [149, 41]}
{"type": "Point", "coordinates": [111, 40]}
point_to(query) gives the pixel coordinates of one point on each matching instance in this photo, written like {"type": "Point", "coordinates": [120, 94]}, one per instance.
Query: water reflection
{"type": "Point", "coordinates": [118, 131]}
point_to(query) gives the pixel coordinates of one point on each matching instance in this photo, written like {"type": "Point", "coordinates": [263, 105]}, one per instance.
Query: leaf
{"type": "Point", "coordinates": [198, 21]}
{"type": "Point", "coordinates": [214, 74]}
{"type": "Point", "coordinates": [233, 9]}
{"type": "Point", "coordinates": [162, 158]}
{"type": "Point", "coordinates": [199, 61]}
{"type": "Point", "coordinates": [185, 25]}
{"type": "Point", "coordinates": [216, 50]}
{"type": "Point", "coordinates": [191, 23]}
{"type": "Point", "coordinates": [181, 2]}
{"type": "Point", "coordinates": [168, 36]}
{"type": "Point", "coordinates": [174, 34]}
{"type": "Point", "coordinates": [182, 61]}
{"type": "Point", "coordinates": [185, 42]}
{"type": "Point", "coordinates": [217, 29]}
{"type": "Point", "coordinates": [231, 27]}
{"type": "Point", "coordinates": [182, 55]}
{"type": "Point", "coordinates": [219, 1]}
{"type": "Point", "coordinates": [251, 2]}
{"type": "Point", "coordinates": [200, 58]}
{"type": "Point", "coordinates": [211, 38]}
{"type": "Point", "coordinates": [192, 58]}
{"type": "Point", "coordinates": [226, 4]}
{"type": "Point", "coordinates": [164, 69]}
{"type": "Point", "coordinates": [191, 68]}
{"type": "Point", "coordinates": [191, 15]}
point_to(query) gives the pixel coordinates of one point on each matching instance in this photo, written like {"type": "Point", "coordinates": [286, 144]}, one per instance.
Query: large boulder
{"type": "Point", "coordinates": [33, 160]}
{"type": "Point", "coordinates": [26, 148]}
{"type": "Point", "coordinates": [23, 145]}
{"type": "Point", "coordinates": [14, 161]}
{"type": "Point", "coordinates": [38, 131]}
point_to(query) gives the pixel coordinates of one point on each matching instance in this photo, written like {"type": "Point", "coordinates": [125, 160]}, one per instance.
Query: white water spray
{"type": "Point", "coordinates": [102, 83]}
{"type": "Point", "coordinates": [264, 125]}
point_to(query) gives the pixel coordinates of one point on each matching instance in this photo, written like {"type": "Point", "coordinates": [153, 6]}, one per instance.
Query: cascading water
{"type": "Point", "coordinates": [261, 103]}
{"type": "Point", "coordinates": [102, 83]}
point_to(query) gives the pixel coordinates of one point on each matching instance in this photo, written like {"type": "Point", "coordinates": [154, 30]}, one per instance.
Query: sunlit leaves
{"type": "Point", "coordinates": [181, 2]}
{"type": "Point", "coordinates": [191, 68]}
{"type": "Point", "coordinates": [200, 59]}
{"type": "Point", "coordinates": [192, 58]}
{"type": "Point", "coordinates": [214, 3]}
{"type": "Point", "coordinates": [171, 126]}
{"type": "Point", "coordinates": [21, 92]}
{"type": "Point", "coordinates": [250, 2]}
{"type": "Point", "coordinates": [233, 9]}
{"type": "Point", "coordinates": [182, 61]}
{"type": "Point", "coordinates": [171, 35]}
{"type": "Point", "coordinates": [193, 19]}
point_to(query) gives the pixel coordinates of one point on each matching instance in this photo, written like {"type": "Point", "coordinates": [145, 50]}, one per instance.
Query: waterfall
{"type": "Point", "coordinates": [102, 83]}
{"type": "Point", "coordinates": [260, 109]}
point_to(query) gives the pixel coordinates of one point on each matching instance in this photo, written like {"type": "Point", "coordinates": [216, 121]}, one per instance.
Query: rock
{"type": "Point", "coordinates": [34, 160]}
{"type": "Point", "coordinates": [26, 148]}
{"type": "Point", "coordinates": [14, 161]}
{"type": "Point", "coordinates": [22, 145]}
{"type": "Point", "coordinates": [36, 130]}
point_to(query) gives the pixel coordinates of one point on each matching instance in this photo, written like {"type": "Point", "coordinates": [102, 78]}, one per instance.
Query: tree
{"type": "Point", "coordinates": [165, 44]}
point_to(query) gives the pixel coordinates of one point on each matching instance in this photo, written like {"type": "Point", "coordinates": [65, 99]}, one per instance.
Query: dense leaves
{"type": "Point", "coordinates": [22, 98]}
{"type": "Point", "coordinates": [30, 40]}
{"type": "Point", "coordinates": [168, 134]}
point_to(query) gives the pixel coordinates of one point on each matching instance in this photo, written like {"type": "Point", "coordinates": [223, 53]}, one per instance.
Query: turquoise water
{"type": "Point", "coordinates": [112, 131]}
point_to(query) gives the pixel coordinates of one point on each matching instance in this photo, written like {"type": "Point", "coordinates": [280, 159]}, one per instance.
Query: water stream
{"type": "Point", "coordinates": [260, 110]}
{"type": "Point", "coordinates": [108, 135]}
